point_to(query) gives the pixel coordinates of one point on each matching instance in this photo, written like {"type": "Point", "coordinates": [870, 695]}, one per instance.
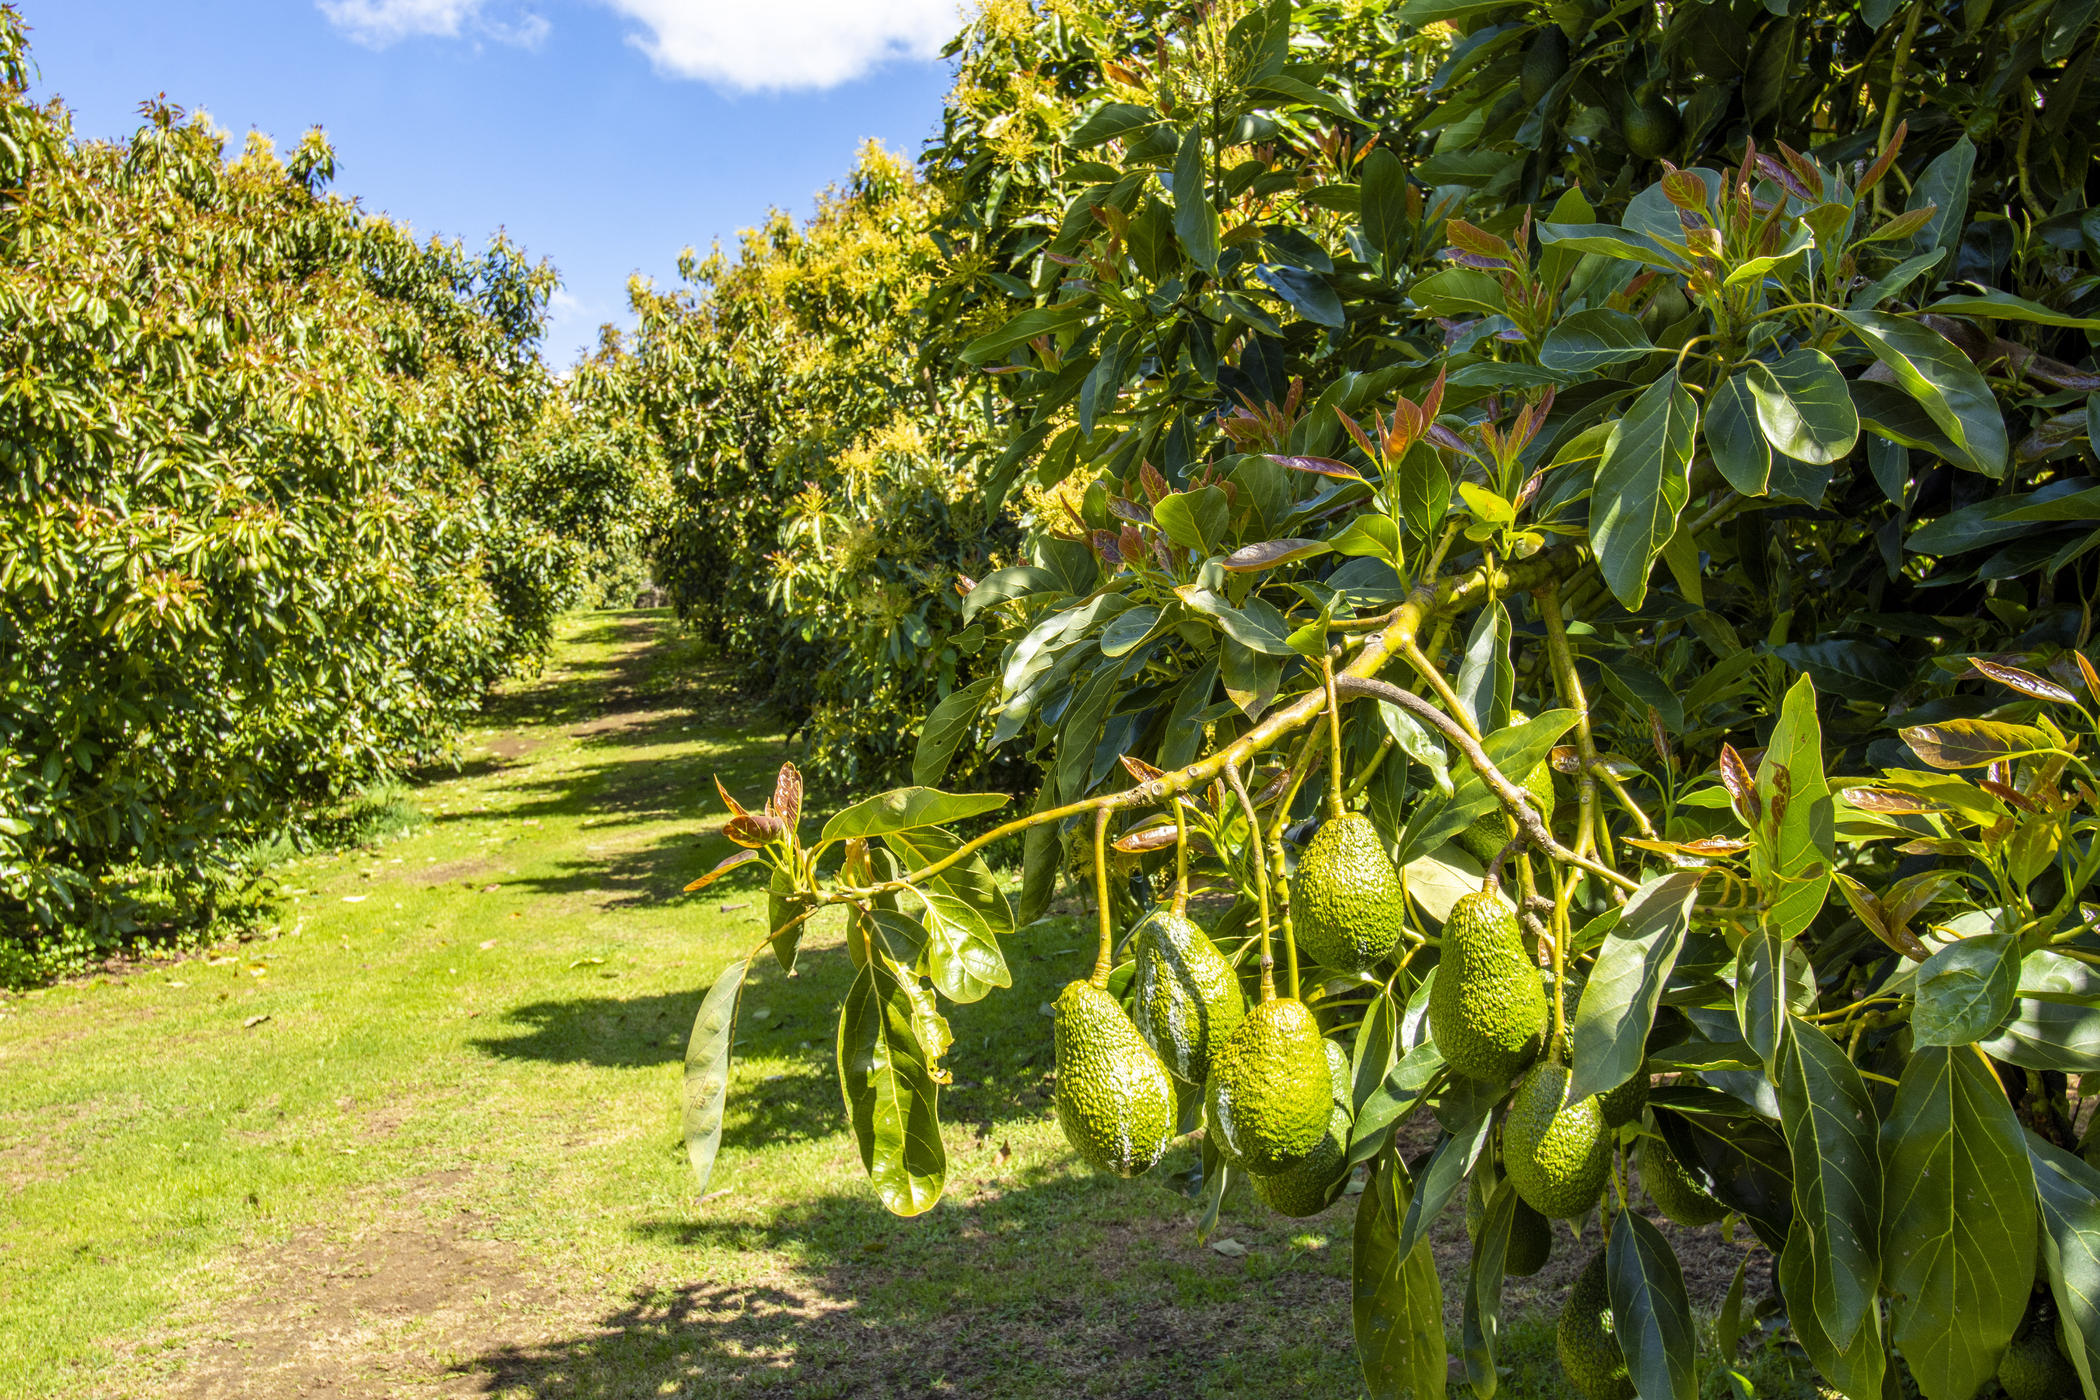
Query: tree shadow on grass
{"type": "Point", "coordinates": [1021, 1284]}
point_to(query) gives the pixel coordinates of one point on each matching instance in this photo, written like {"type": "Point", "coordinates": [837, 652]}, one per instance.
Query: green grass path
{"type": "Point", "coordinates": [425, 1140]}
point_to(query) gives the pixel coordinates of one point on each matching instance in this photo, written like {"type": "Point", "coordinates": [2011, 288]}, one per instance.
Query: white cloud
{"type": "Point", "coordinates": [758, 45]}
{"type": "Point", "coordinates": [382, 22]}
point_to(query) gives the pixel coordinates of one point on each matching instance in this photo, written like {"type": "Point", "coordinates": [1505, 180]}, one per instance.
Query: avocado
{"type": "Point", "coordinates": [1675, 1191]}
{"type": "Point", "coordinates": [1557, 1153]}
{"type": "Point", "coordinates": [1487, 1011]}
{"type": "Point", "coordinates": [1650, 126]}
{"type": "Point", "coordinates": [1347, 906]}
{"type": "Point", "coordinates": [1311, 1184]}
{"type": "Point", "coordinates": [1114, 1100]}
{"type": "Point", "coordinates": [1588, 1342]}
{"type": "Point", "coordinates": [1530, 1242]}
{"type": "Point", "coordinates": [1489, 833]}
{"type": "Point", "coordinates": [1185, 996]}
{"type": "Point", "coordinates": [1270, 1093]}
{"type": "Point", "coordinates": [1624, 1104]}
{"type": "Point", "coordinates": [2034, 1366]}
{"type": "Point", "coordinates": [1544, 62]}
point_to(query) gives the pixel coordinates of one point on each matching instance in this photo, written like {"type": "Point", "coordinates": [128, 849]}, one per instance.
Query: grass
{"type": "Point", "coordinates": [424, 1138]}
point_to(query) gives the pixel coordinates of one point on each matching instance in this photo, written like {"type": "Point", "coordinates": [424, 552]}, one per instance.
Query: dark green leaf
{"type": "Point", "coordinates": [1307, 292]}
{"type": "Point", "coordinates": [1483, 1310]}
{"type": "Point", "coordinates": [1039, 320]}
{"type": "Point", "coordinates": [1974, 743]}
{"type": "Point", "coordinates": [707, 1069]}
{"type": "Point", "coordinates": [1651, 1313]}
{"type": "Point", "coordinates": [944, 730]}
{"type": "Point", "coordinates": [1425, 490]}
{"type": "Point", "coordinates": [1397, 1303]}
{"type": "Point", "coordinates": [1741, 1160]}
{"type": "Point", "coordinates": [1831, 1131]}
{"type": "Point", "coordinates": [1642, 482]}
{"type": "Point", "coordinates": [2069, 1191]}
{"type": "Point", "coordinates": [1803, 406]}
{"type": "Point", "coordinates": [1624, 986]}
{"type": "Point", "coordinates": [1195, 220]}
{"type": "Point", "coordinates": [1958, 1230]}
{"type": "Point", "coordinates": [1384, 204]}
{"type": "Point", "coordinates": [1196, 520]}
{"type": "Point", "coordinates": [1944, 188]}
{"type": "Point", "coordinates": [1732, 435]}
{"type": "Point", "coordinates": [1595, 339]}
{"type": "Point", "coordinates": [1965, 990]}
{"type": "Point", "coordinates": [1393, 1100]}
{"type": "Point", "coordinates": [1445, 1174]}
{"type": "Point", "coordinates": [1941, 379]}
{"type": "Point", "coordinates": [1994, 305]}
{"type": "Point", "coordinates": [1110, 121]}
{"type": "Point", "coordinates": [886, 1075]}
{"type": "Point", "coordinates": [2056, 1023]}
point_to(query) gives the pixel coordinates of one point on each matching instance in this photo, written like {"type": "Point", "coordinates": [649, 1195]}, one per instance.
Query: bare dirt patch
{"type": "Point", "coordinates": [377, 1305]}
{"type": "Point", "coordinates": [449, 872]}
{"type": "Point", "coordinates": [512, 746]}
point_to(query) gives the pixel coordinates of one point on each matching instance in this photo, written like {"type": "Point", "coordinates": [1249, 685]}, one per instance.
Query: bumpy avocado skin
{"type": "Point", "coordinates": [1544, 63]}
{"type": "Point", "coordinates": [1186, 998]}
{"type": "Point", "coordinates": [1487, 1011]}
{"type": "Point", "coordinates": [1114, 1099]}
{"type": "Point", "coordinates": [1674, 1190]}
{"type": "Point", "coordinates": [1347, 906]}
{"type": "Point", "coordinates": [1530, 1242]}
{"type": "Point", "coordinates": [1312, 1185]}
{"type": "Point", "coordinates": [1586, 1340]}
{"type": "Point", "coordinates": [1556, 1154]}
{"type": "Point", "coordinates": [2034, 1367]}
{"type": "Point", "coordinates": [1270, 1091]}
{"type": "Point", "coordinates": [1624, 1104]}
{"type": "Point", "coordinates": [1489, 833]}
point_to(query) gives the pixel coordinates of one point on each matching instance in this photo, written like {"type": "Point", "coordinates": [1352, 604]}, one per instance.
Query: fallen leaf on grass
{"type": "Point", "coordinates": [732, 908]}
{"type": "Point", "coordinates": [585, 962]}
{"type": "Point", "coordinates": [355, 898]}
{"type": "Point", "coordinates": [488, 944]}
{"type": "Point", "coordinates": [1231, 1249]}
{"type": "Point", "coordinates": [253, 1021]}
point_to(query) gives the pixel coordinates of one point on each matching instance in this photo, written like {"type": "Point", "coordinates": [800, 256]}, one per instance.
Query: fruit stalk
{"type": "Point", "coordinates": [1336, 776]}
{"type": "Point", "coordinates": [1181, 856]}
{"type": "Point", "coordinates": [1101, 959]}
{"type": "Point", "coordinates": [1261, 876]}
{"type": "Point", "coordinates": [1561, 657]}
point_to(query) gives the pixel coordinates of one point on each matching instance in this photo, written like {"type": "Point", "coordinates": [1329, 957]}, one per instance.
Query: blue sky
{"type": "Point", "coordinates": [604, 134]}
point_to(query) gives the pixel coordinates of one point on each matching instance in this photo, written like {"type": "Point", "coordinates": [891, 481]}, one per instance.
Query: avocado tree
{"type": "Point", "coordinates": [1581, 528]}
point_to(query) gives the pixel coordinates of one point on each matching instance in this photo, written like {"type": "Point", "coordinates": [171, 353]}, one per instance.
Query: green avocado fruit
{"type": "Point", "coordinates": [1347, 906]}
{"type": "Point", "coordinates": [1114, 1099]}
{"type": "Point", "coordinates": [1557, 1154]}
{"type": "Point", "coordinates": [1270, 1093]}
{"type": "Point", "coordinates": [1487, 1011]}
{"type": "Point", "coordinates": [1530, 1242]}
{"type": "Point", "coordinates": [1544, 63]}
{"type": "Point", "coordinates": [1675, 1191]}
{"type": "Point", "coordinates": [1624, 1104]}
{"type": "Point", "coordinates": [1489, 833]}
{"type": "Point", "coordinates": [1186, 997]}
{"type": "Point", "coordinates": [1650, 126]}
{"type": "Point", "coordinates": [1587, 1341]}
{"type": "Point", "coordinates": [1312, 1185]}
{"type": "Point", "coordinates": [2034, 1366]}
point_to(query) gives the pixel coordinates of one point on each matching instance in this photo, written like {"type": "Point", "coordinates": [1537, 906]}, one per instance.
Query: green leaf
{"type": "Point", "coordinates": [1127, 632]}
{"type": "Point", "coordinates": [902, 809]}
{"type": "Point", "coordinates": [1944, 188]}
{"type": "Point", "coordinates": [964, 912]}
{"type": "Point", "coordinates": [782, 905]}
{"type": "Point", "coordinates": [1109, 122]}
{"type": "Point", "coordinates": [1041, 858]}
{"type": "Point", "coordinates": [1830, 1127]}
{"type": "Point", "coordinates": [1958, 1227]}
{"type": "Point", "coordinates": [1642, 482]}
{"type": "Point", "coordinates": [1197, 520]}
{"type": "Point", "coordinates": [1256, 624]}
{"type": "Point", "coordinates": [1994, 305]}
{"type": "Point", "coordinates": [707, 1070]}
{"type": "Point", "coordinates": [1731, 432]}
{"type": "Point", "coordinates": [1368, 536]}
{"type": "Point", "coordinates": [1611, 241]}
{"type": "Point", "coordinates": [1625, 985]}
{"type": "Point", "coordinates": [1855, 1366]}
{"type": "Point", "coordinates": [2069, 1191]}
{"type": "Point", "coordinates": [1307, 292]}
{"type": "Point", "coordinates": [1460, 292]}
{"type": "Point", "coordinates": [1393, 1100]}
{"type": "Point", "coordinates": [1425, 490]}
{"type": "Point", "coordinates": [946, 726]}
{"type": "Point", "coordinates": [1803, 406]}
{"type": "Point", "coordinates": [1486, 681]}
{"type": "Point", "coordinates": [1397, 1302]}
{"type": "Point", "coordinates": [1195, 221]}
{"type": "Point", "coordinates": [1595, 339]}
{"type": "Point", "coordinates": [2056, 1023]}
{"type": "Point", "coordinates": [1941, 379]}
{"type": "Point", "coordinates": [1797, 838]}
{"type": "Point", "coordinates": [886, 1075]}
{"type": "Point", "coordinates": [1651, 1313]}
{"type": "Point", "coordinates": [1443, 1175]}
{"type": "Point", "coordinates": [1760, 993]}
{"type": "Point", "coordinates": [1272, 554]}
{"type": "Point", "coordinates": [1384, 205]}
{"type": "Point", "coordinates": [1039, 320]}
{"type": "Point", "coordinates": [1004, 585]}
{"type": "Point", "coordinates": [1483, 1309]}
{"type": "Point", "coordinates": [1965, 990]}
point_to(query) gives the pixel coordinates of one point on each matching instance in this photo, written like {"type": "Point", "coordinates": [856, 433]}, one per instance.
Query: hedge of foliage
{"type": "Point", "coordinates": [279, 506]}
{"type": "Point", "coordinates": [1713, 384]}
